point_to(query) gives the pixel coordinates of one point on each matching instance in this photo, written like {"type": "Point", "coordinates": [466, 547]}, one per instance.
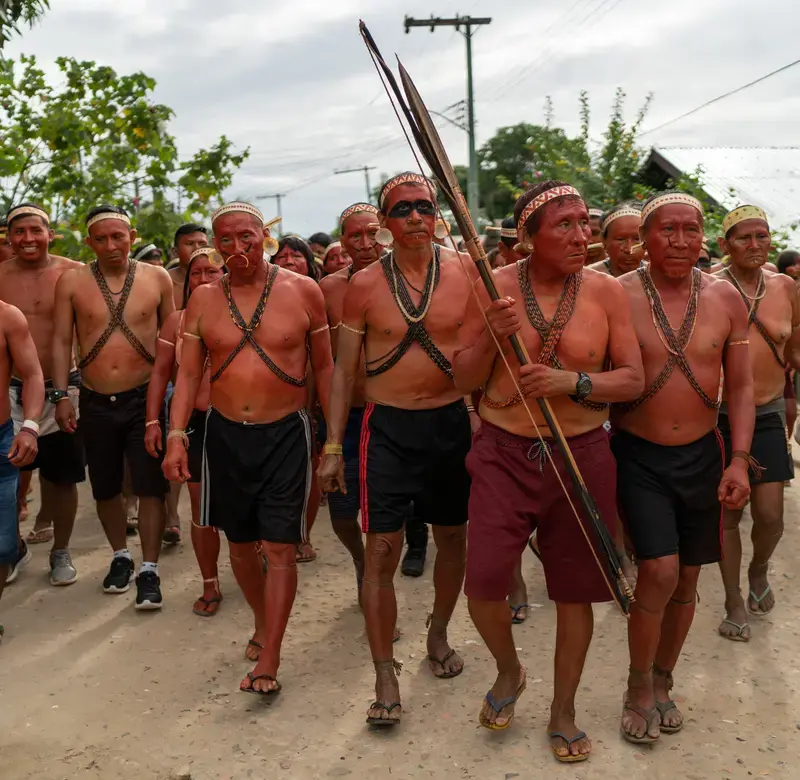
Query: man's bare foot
{"type": "Point", "coordinates": [761, 600]}
{"type": "Point", "coordinates": [566, 739]}
{"type": "Point", "coordinates": [386, 710]}
{"type": "Point", "coordinates": [671, 716]}
{"type": "Point", "coordinates": [255, 645]}
{"type": "Point", "coordinates": [640, 720]}
{"type": "Point", "coordinates": [735, 626]}
{"type": "Point", "coordinates": [208, 604]}
{"type": "Point", "coordinates": [497, 711]}
{"type": "Point", "coordinates": [443, 660]}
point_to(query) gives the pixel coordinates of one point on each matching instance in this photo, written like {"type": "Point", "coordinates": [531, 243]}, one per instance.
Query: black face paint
{"type": "Point", "coordinates": [404, 208]}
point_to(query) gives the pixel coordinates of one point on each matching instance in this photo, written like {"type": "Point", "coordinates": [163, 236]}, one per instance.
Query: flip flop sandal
{"type": "Point", "coordinates": [41, 536]}
{"type": "Point", "coordinates": [497, 706]}
{"type": "Point", "coordinates": [305, 557]}
{"type": "Point", "coordinates": [569, 758]}
{"type": "Point", "coordinates": [648, 716]}
{"type": "Point", "coordinates": [172, 535]}
{"type": "Point", "coordinates": [739, 635]}
{"type": "Point", "coordinates": [253, 643]}
{"type": "Point", "coordinates": [253, 677]}
{"type": "Point", "coordinates": [663, 708]}
{"type": "Point", "coordinates": [515, 619]}
{"type": "Point", "coordinates": [208, 602]}
{"type": "Point", "coordinates": [758, 600]}
{"type": "Point", "coordinates": [442, 662]}
{"type": "Point", "coordinates": [389, 709]}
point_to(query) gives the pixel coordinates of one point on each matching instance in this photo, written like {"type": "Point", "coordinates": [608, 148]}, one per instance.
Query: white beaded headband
{"type": "Point", "coordinates": [541, 199]}
{"type": "Point", "coordinates": [331, 247]}
{"type": "Point", "coordinates": [237, 206]}
{"type": "Point", "coordinates": [626, 212]}
{"type": "Point", "coordinates": [405, 178]}
{"type": "Point", "coordinates": [504, 232]}
{"type": "Point", "coordinates": [357, 208]}
{"type": "Point", "coordinates": [144, 251]}
{"type": "Point", "coordinates": [669, 198]}
{"type": "Point", "coordinates": [596, 213]}
{"type": "Point", "coordinates": [28, 211]}
{"type": "Point", "coordinates": [108, 215]}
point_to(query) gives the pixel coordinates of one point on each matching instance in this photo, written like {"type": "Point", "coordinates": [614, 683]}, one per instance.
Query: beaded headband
{"type": "Point", "coordinates": [331, 247]}
{"type": "Point", "coordinates": [620, 213]}
{"type": "Point", "coordinates": [204, 250]}
{"type": "Point", "coordinates": [740, 214]}
{"type": "Point", "coordinates": [596, 213]}
{"type": "Point", "coordinates": [504, 232]}
{"type": "Point", "coordinates": [108, 215]}
{"type": "Point", "coordinates": [27, 211]}
{"type": "Point", "coordinates": [144, 251]}
{"type": "Point", "coordinates": [667, 199]}
{"type": "Point", "coordinates": [541, 199]}
{"type": "Point", "coordinates": [357, 208]}
{"type": "Point", "coordinates": [405, 178]}
{"type": "Point", "coordinates": [237, 206]}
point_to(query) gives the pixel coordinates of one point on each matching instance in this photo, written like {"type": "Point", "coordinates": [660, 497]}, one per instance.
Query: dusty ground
{"type": "Point", "coordinates": [92, 689]}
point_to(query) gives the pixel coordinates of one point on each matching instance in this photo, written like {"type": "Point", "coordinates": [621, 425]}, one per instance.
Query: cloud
{"type": "Point", "coordinates": [293, 81]}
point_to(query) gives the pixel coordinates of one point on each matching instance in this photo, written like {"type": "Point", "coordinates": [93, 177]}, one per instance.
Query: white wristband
{"type": "Point", "coordinates": [31, 425]}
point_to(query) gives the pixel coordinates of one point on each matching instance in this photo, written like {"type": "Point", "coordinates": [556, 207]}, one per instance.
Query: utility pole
{"type": "Point", "coordinates": [278, 196]}
{"type": "Point", "coordinates": [366, 169]}
{"type": "Point", "coordinates": [467, 22]}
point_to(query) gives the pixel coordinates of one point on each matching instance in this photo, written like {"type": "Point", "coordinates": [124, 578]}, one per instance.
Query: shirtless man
{"type": "Point", "coordinates": [28, 281]}
{"type": "Point", "coordinates": [620, 233]}
{"type": "Point", "coordinates": [259, 326]}
{"type": "Point", "coordinates": [669, 452]}
{"type": "Point", "coordinates": [774, 316]}
{"type": "Point", "coordinates": [116, 305]}
{"type": "Point", "coordinates": [335, 258]}
{"type": "Point", "coordinates": [187, 238]}
{"type": "Point", "coordinates": [6, 252]}
{"type": "Point", "coordinates": [570, 320]}
{"type": "Point", "coordinates": [358, 225]}
{"type": "Point", "coordinates": [597, 251]}
{"type": "Point", "coordinates": [17, 352]}
{"type": "Point", "coordinates": [404, 314]}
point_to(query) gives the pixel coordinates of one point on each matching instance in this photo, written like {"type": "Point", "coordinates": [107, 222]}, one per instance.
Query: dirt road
{"type": "Point", "coordinates": [92, 689]}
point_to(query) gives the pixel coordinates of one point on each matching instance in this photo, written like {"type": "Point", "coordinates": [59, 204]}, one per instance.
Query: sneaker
{"type": "Point", "coordinates": [414, 561]}
{"type": "Point", "coordinates": [120, 576]}
{"type": "Point", "coordinates": [24, 557]}
{"type": "Point", "coordinates": [148, 591]}
{"type": "Point", "coordinates": [62, 572]}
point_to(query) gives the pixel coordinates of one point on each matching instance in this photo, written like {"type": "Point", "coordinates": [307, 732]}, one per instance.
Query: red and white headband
{"type": "Point", "coordinates": [542, 198]}
{"type": "Point", "coordinates": [357, 208]}
{"type": "Point", "coordinates": [669, 198]}
{"type": "Point", "coordinates": [626, 212]}
{"type": "Point", "coordinates": [405, 178]}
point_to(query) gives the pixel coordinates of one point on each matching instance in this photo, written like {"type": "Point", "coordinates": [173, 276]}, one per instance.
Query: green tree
{"type": "Point", "coordinates": [16, 12]}
{"type": "Point", "coordinates": [97, 138]}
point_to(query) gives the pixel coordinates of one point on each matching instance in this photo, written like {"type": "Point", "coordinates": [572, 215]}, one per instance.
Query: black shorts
{"type": "Point", "coordinates": [667, 497]}
{"type": "Point", "coordinates": [61, 458]}
{"type": "Point", "coordinates": [414, 456]}
{"type": "Point", "coordinates": [770, 446]}
{"type": "Point", "coordinates": [113, 432]}
{"type": "Point", "coordinates": [257, 478]}
{"type": "Point", "coordinates": [345, 506]}
{"type": "Point", "coordinates": [196, 430]}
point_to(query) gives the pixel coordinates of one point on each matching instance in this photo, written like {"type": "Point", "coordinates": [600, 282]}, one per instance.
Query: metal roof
{"type": "Point", "coordinates": [768, 177]}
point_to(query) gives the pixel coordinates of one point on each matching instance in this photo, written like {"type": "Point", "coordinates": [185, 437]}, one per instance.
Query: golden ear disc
{"type": "Point", "coordinates": [271, 246]}
{"type": "Point", "coordinates": [215, 258]}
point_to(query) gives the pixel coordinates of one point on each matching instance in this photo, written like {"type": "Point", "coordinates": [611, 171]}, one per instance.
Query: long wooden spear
{"type": "Point", "coordinates": [430, 146]}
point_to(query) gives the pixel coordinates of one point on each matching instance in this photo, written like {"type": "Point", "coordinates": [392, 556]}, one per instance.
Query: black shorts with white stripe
{"type": "Point", "coordinates": [257, 478]}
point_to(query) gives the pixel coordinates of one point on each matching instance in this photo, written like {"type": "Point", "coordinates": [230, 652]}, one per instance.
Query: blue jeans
{"type": "Point", "coordinates": [9, 479]}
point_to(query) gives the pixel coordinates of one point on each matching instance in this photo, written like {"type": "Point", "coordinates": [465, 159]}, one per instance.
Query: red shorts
{"type": "Point", "coordinates": [515, 491]}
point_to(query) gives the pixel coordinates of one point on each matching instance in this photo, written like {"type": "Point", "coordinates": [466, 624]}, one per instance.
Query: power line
{"type": "Point", "coordinates": [720, 97]}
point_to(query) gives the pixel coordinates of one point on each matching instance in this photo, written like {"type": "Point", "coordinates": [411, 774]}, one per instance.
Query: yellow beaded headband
{"type": "Point", "coordinates": [357, 208]}
{"type": "Point", "coordinates": [108, 215]}
{"type": "Point", "coordinates": [740, 214]}
{"type": "Point", "coordinates": [405, 178]}
{"type": "Point", "coordinates": [27, 211]}
{"type": "Point", "coordinates": [618, 214]}
{"type": "Point", "coordinates": [669, 198]}
{"type": "Point", "coordinates": [541, 199]}
{"type": "Point", "coordinates": [237, 206]}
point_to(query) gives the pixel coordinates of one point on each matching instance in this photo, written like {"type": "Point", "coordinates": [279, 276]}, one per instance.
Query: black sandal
{"type": "Point", "coordinates": [389, 709]}
{"type": "Point", "coordinates": [648, 716]}
{"type": "Point", "coordinates": [664, 707]}
{"type": "Point", "coordinates": [442, 662]}
{"type": "Point", "coordinates": [253, 677]}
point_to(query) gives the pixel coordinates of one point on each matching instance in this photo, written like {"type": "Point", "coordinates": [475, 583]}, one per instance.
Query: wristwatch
{"type": "Point", "coordinates": [54, 396]}
{"type": "Point", "coordinates": [583, 387]}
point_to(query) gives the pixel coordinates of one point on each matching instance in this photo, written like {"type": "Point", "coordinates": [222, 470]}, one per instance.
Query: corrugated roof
{"type": "Point", "coordinates": [768, 177]}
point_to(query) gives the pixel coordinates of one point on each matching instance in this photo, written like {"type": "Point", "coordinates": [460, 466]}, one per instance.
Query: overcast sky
{"type": "Point", "coordinates": [292, 79]}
